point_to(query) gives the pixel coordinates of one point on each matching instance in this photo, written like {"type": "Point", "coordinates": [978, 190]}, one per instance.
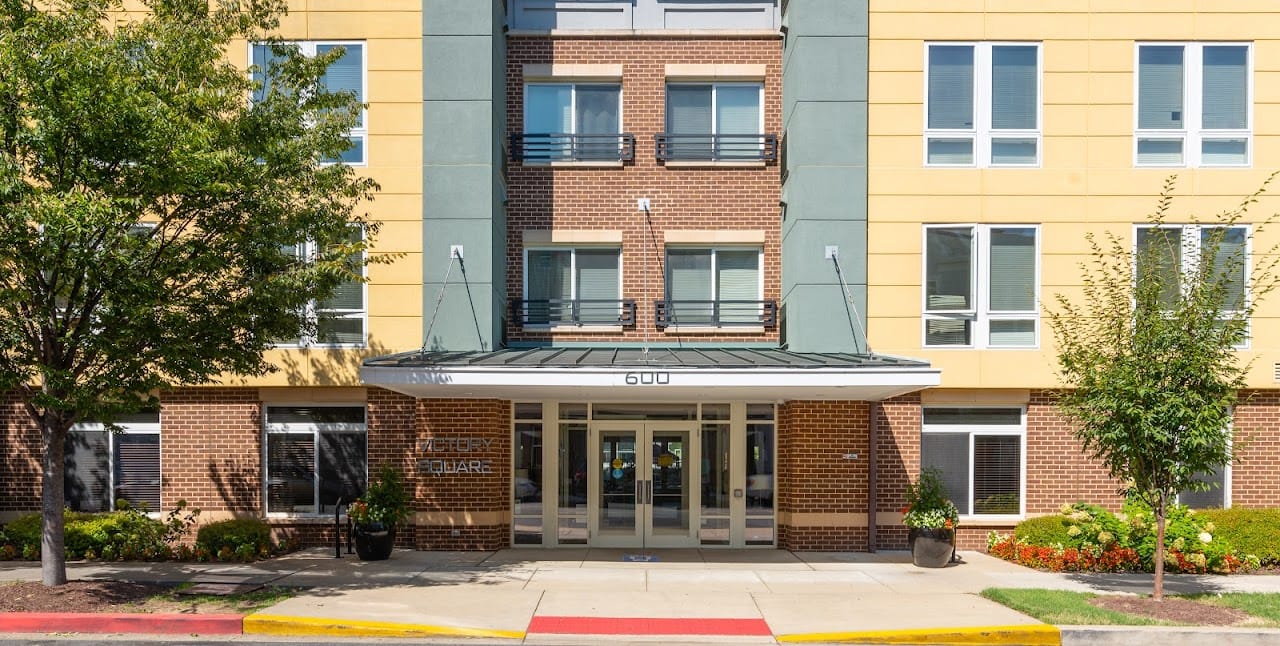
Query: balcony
{"type": "Point", "coordinates": [538, 148]}
{"type": "Point", "coordinates": [669, 313]}
{"type": "Point", "coordinates": [557, 312]}
{"type": "Point", "coordinates": [716, 148]}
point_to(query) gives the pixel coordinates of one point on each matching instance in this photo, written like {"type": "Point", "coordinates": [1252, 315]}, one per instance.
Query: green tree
{"type": "Point", "coordinates": [148, 208]}
{"type": "Point", "coordinates": [1147, 353]}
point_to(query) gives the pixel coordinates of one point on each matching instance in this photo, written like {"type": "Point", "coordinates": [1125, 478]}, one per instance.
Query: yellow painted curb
{"type": "Point", "coordinates": [1033, 634]}
{"type": "Point", "coordinates": [285, 625]}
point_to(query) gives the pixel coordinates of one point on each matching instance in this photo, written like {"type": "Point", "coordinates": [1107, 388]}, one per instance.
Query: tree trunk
{"type": "Point", "coordinates": [53, 566]}
{"type": "Point", "coordinates": [1158, 587]}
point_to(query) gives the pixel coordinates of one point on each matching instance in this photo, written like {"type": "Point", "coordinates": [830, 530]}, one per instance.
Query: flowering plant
{"type": "Point", "coordinates": [385, 503]}
{"type": "Point", "coordinates": [927, 504]}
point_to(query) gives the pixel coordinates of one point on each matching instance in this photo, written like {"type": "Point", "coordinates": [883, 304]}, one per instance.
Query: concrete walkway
{"type": "Point", "coordinates": [558, 596]}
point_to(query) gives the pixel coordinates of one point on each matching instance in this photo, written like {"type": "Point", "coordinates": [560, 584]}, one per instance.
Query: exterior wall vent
{"type": "Point", "coordinates": [1275, 371]}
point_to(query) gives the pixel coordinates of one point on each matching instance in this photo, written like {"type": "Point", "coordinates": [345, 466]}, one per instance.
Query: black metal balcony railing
{"type": "Point", "coordinates": [573, 312]}
{"type": "Point", "coordinates": [669, 313]}
{"type": "Point", "coordinates": [552, 147]}
{"type": "Point", "coordinates": [741, 148]}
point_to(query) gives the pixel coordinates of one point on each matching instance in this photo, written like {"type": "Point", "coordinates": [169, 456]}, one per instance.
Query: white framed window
{"type": "Point", "coordinates": [714, 286]}
{"type": "Point", "coordinates": [1193, 104]}
{"type": "Point", "coordinates": [714, 121]}
{"type": "Point", "coordinates": [981, 453]}
{"type": "Point", "coordinates": [572, 285]}
{"type": "Point", "coordinates": [1181, 250]}
{"type": "Point", "coordinates": [316, 455]}
{"type": "Point", "coordinates": [982, 104]}
{"type": "Point", "coordinates": [572, 121]}
{"type": "Point", "coordinates": [103, 467]}
{"type": "Point", "coordinates": [340, 321]}
{"type": "Point", "coordinates": [981, 286]}
{"type": "Point", "coordinates": [347, 74]}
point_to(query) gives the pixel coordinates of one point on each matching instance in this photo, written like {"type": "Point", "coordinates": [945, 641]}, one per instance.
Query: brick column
{"type": "Point", "coordinates": [822, 496]}
{"type": "Point", "coordinates": [460, 507]}
{"type": "Point", "coordinates": [211, 450]}
{"type": "Point", "coordinates": [20, 462]}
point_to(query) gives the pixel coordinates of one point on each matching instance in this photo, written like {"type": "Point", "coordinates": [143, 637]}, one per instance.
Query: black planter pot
{"type": "Point", "coordinates": [374, 542]}
{"type": "Point", "coordinates": [931, 547]}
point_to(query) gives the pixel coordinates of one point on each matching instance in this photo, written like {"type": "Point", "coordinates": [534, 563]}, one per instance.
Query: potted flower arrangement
{"type": "Point", "coordinates": [376, 515]}
{"type": "Point", "coordinates": [931, 520]}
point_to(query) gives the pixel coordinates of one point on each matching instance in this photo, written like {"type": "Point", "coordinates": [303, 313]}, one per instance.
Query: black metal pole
{"type": "Point", "coordinates": [337, 529]}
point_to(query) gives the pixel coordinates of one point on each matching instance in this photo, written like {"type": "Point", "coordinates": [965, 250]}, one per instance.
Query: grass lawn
{"type": "Point", "coordinates": [246, 602]}
{"type": "Point", "coordinates": [1061, 607]}
{"type": "Point", "coordinates": [1266, 606]}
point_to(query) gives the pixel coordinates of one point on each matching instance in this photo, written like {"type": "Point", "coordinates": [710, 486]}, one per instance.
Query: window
{"type": "Point", "coordinates": [721, 121]}
{"type": "Point", "coordinates": [1193, 105]}
{"type": "Point", "coordinates": [1217, 496]}
{"type": "Point", "coordinates": [103, 467]}
{"type": "Point", "coordinates": [526, 488]}
{"type": "Point", "coordinates": [572, 122]}
{"type": "Point", "coordinates": [980, 454]}
{"type": "Point", "coordinates": [982, 104]}
{"type": "Point", "coordinates": [340, 320]}
{"type": "Point", "coordinates": [981, 286]}
{"type": "Point", "coordinates": [716, 286]}
{"type": "Point", "coordinates": [347, 74]}
{"type": "Point", "coordinates": [1181, 249]}
{"type": "Point", "coordinates": [572, 286]}
{"type": "Point", "coordinates": [316, 456]}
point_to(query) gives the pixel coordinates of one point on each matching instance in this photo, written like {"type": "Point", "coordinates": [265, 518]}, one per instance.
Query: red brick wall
{"type": "Point", "coordinates": [1058, 471]}
{"type": "Point", "coordinates": [543, 198]}
{"type": "Point", "coordinates": [815, 477]}
{"type": "Point", "coordinates": [448, 419]}
{"type": "Point", "coordinates": [211, 449]}
{"type": "Point", "coordinates": [20, 463]}
{"type": "Point", "coordinates": [898, 462]}
{"type": "Point", "coordinates": [1255, 474]}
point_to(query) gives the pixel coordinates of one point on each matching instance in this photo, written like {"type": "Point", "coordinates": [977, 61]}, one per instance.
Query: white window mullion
{"type": "Point", "coordinates": [715, 118]}
{"type": "Point", "coordinates": [573, 274]}
{"type": "Point", "coordinates": [573, 108]}
{"type": "Point", "coordinates": [982, 277]}
{"type": "Point", "coordinates": [982, 104]}
{"type": "Point", "coordinates": [315, 471]}
{"type": "Point", "coordinates": [1193, 101]}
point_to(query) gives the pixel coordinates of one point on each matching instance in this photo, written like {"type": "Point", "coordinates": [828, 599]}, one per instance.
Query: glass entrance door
{"type": "Point", "coordinates": [642, 491]}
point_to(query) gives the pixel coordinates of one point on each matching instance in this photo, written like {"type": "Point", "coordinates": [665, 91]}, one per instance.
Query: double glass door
{"type": "Point", "coordinates": [642, 488]}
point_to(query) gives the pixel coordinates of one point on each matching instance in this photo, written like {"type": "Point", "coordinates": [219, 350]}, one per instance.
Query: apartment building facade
{"type": "Point", "coordinates": [677, 273]}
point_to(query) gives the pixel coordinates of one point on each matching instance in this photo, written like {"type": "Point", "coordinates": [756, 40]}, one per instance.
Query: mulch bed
{"type": "Point", "coordinates": [78, 596]}
{"type": "Point", "coordinates": [1183, 611]}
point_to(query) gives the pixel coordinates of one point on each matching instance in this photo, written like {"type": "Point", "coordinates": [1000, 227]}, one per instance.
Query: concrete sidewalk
{"type": "Point", "coordinates": [742, 596]}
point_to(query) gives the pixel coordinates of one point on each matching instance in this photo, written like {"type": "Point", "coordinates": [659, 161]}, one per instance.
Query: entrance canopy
{"type": "Point", "coordinates": [653, 374]}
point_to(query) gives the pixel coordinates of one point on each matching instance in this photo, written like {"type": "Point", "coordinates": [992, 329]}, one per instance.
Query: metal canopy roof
{"type": "Point", "coordinates": [631, 357]}
{"type": "Point", "coordinates": [659, 374]}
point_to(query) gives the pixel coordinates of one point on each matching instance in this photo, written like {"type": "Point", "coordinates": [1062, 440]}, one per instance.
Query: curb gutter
{"type": "Point", "coordinates": [1030, 634]}
{"type": "Point", "coordinates": [295, 626]}
{"type": "Point", "coordinates": [138, 623]}
{"type": "Point", "coordinates": [1168, 635]}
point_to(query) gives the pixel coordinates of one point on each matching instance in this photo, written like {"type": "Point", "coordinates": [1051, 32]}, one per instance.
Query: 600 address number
{"type": "Point", "coordinates": [648, 378]}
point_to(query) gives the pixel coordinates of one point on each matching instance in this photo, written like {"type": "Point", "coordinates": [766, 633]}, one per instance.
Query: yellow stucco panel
{"type": "Point", "coordinates": [1086, 181]}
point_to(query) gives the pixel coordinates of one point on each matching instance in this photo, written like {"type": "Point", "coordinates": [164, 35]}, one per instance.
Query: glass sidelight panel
{"type": "Point", "coordinates": [760, 481]}
{"type": "Point", "coordinates": [526, 508]}
{"type": "Point", "coordinates": [572, 504]}
{"type": "Point", "coordinates": [670, 483]}
{"type": "Point", "coordinates": [714, 515]}
{"type": "Point", "coordinates": [618, 482]}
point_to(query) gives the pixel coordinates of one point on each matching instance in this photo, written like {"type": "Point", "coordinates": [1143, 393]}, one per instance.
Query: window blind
{"type": "Point", "coordinates": [738, 279]}
{"type": "Point", "coordinates": [1225, 91]}
{"type": "Point", "coordinates": [1160, 80]}
{"type": "Point", "coordinates": [950, 87]}
{"type": "Point", "coordinates": [949, 453]}
{"type": "Point", "coordinates": [345, 74]}
{"type": "Point", "coordinates": [1160, 259]}
{"type": "Point", "coordinates": [997, 471]}
{"type": "Point", "coordinates": [549, 279]}
{"type": "Point", "coordinates": [689, 109]}
{"type": "Point", "coordinates": [263, 60]}
{"type": "Point", "coordinates": [598, 274]}
{"type": "Point", "coordinates": [1215, 496]}
{"type": "Point", "coordinates": [290, 472]}
{"type": "Point", "coordinates": [1228, 263]}
{"type": "Point", "coordinates": [137, 469]}
{"type": "Point", "coordinates": [1014, 92]}
{"type": "Point", "coordinates": [689, 279]}
{"type": "Point", "coordinates": [737, 110]}
{"type": "Point", "coordinates": [1013, 270]}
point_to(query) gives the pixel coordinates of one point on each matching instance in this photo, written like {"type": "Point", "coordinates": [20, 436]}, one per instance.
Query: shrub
{"type": "Point", "coordinates": [1251, 531]}
{"type": "Point", "coordinates": [1044, 530]}
{"type": "Point", "coordinates": [241, 539]}
{"type": "Point", "coordinates": [127, 533]}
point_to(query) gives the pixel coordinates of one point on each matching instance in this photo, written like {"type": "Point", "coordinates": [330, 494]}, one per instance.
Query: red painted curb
{"type": "Point", "coordinates": [88, 622]}
{"type": "Point", "coordinates": [649, 626]}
